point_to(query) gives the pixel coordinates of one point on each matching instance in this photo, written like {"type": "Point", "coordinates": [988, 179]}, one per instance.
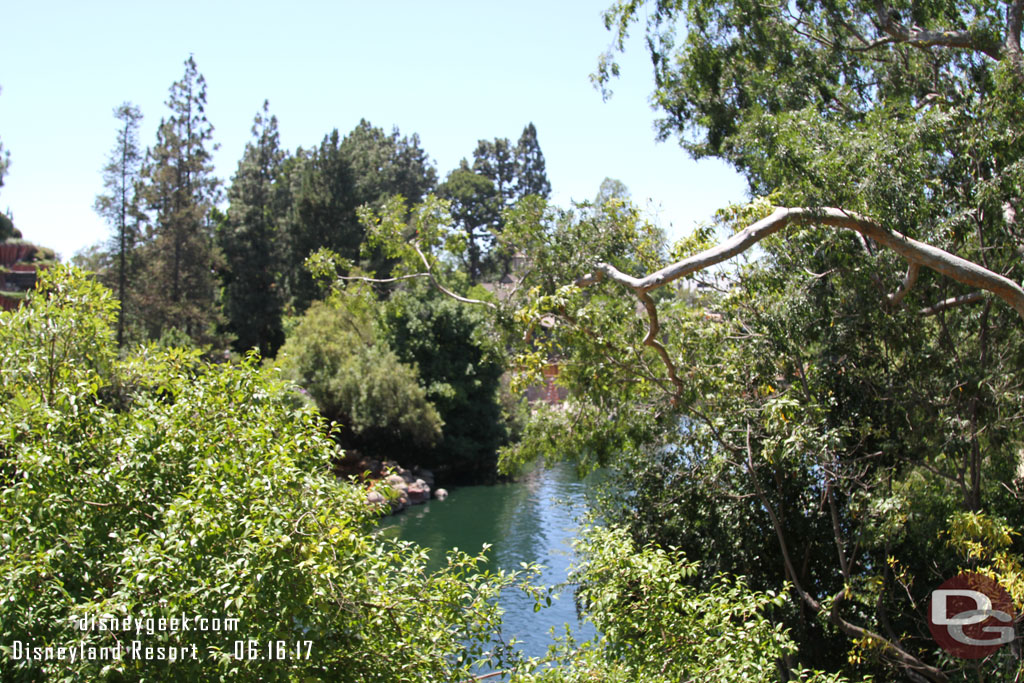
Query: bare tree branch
{"type": "Point", "coordinates": [939, 260]}
{"type": "Point", "coordinates": [889, 23]}
{"type": "Point", "coordinates": [901, 656]}
{"type": "Point", "coordinates": [379, 280]}
{"type": "Point", "coordinates": [908, 281]}
{"type": "Point", "coordinates": [953, 302]}
{"type": "Point", "coordinates": [427, 273]}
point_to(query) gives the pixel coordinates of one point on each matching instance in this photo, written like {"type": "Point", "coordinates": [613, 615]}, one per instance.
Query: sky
{"type": "Point", "coordinates": [452, 72]}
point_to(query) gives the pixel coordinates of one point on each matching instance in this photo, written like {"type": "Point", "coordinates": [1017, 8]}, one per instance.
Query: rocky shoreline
{"type": "Point", "coordinates": [393, 486]}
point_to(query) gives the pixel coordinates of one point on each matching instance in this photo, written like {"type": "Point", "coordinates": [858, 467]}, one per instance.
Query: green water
{"type": "Point", "coordinates": [531, 520]}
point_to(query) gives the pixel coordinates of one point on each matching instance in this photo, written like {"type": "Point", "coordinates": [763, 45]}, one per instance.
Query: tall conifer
{"type": "Point", "coordinates": [531, 174]}
{"type": "Point", "coordinates": [181, 190]}
{"type": "Point", "coordinates": [250, 237]}
{"type": "Point", "coordinates": [119, 206]}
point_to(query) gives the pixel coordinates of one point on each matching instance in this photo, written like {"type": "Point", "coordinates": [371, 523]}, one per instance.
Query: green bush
{"type": "Point", "coordinates": [461, 374]}
{"type": "Point", "coordinates": [356, 380]}
{"type": "Point", "coordinates": [655, 626]}
{"type": "Point", "coordinates": [162, 487]}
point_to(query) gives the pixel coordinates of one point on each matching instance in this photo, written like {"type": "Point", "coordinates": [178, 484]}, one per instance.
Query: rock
{"type": "Point", "coordinates": [370, 465]}
{"type": "Point", "coordinates": [441, 494]}
{"type": "Point", "coordinates": [418, 492]}
{"type": "Point", "coordinates": [375, 498]}
{"type": "Point", "coordinates": [397, 482]}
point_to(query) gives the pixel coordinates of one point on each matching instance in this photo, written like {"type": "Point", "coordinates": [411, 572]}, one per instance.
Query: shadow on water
{"type": "Point", "coordinates": [533, 519]}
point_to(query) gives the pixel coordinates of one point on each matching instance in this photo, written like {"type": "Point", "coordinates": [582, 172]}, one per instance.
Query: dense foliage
{"type": "Point", "coordinates": [803, 416]}
{"type": "Point", "coordinates": [161, 487]}
{"type": "Point", "coordinates": [461, 372]}
{"type": "Point", "coordinates": [337, 356]}
{"type": "Point", "coordinates": [656, 626]}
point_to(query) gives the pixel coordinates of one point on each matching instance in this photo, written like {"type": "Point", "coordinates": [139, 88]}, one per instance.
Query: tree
{"type": "Point", "coordinates": [655, 626]}
{"type": "Point", "coordinates": [496, 161]}
{"type": "Point", "coordinates": [252, 240]}
{"type": "Point", "coordinates": [180, 190]}
{"type": "Point", "coordinates": [611, 189]}
{"type": "Point", "coordinates": [827, 413]}
{"type": "Point", "coordinates": [475, 209]}
{"type": "Point", "coordinates": [328, 185]}
{"type": "Point", "coordinates": [120, 205]}
{"type": "Point", "coordinates": [386, 165]}
{"type": "Point", "coordinates": [337, 355]}
{"type": "Point", "coordinates": [445, 340]}
{"type": "Point", "coordinates": [501, 175]}
{"type": "Point", "coordinates": [532, 177]}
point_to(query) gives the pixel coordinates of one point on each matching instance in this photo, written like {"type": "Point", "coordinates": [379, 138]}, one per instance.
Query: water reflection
{"type": "Point", "coordinates": [531, 520]}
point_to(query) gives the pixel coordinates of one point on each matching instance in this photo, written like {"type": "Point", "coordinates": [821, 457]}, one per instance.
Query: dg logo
{"type": "Point", "coordinates": [971, 616]}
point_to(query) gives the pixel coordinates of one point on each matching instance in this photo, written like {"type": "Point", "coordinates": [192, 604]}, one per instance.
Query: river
{"type": "Point", "coordinates": [533, 519]}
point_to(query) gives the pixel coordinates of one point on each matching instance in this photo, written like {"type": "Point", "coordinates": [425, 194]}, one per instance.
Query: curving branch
{"type": "Point", "coordinates": [916, 253]}
{"type": "Point", "coordinates": [428, 273]}
{"type": "Point", "coordinates": [908, 281]}
{"type": "Point", "coordinates": [953, 302]}
{"type": "Point", "coordinates": [898, 32]}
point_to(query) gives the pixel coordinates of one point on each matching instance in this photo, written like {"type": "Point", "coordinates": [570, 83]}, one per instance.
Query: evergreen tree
{"type": "Point", "coordinates": [384, 165]}
{"type": "Point", "coordinates": [180, 189]}
{"type": "Point", "coordinates": [330, 182]}
{"type": "Point", "coordinates": [322, 213]}
{"type": "Point", "coordinates": [531, 176]}
{"type": "Point", "coordinates": [119, 206]}
{"type": "Point", "coordinates": [496, 160]}
{"type": "Point", "coordinates": [475, 209]}
{"type": "Point", "coordinates": [250, 239]}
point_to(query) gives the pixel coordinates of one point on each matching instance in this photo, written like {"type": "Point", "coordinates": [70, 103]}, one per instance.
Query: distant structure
{"type": "Point", "coordinates": [20, 261]}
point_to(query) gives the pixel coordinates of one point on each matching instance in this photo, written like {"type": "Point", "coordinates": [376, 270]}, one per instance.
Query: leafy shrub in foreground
{"type": "Point", "coordinates": [197, 492]}
{"type": "Point", "coordinates": [655, 626]}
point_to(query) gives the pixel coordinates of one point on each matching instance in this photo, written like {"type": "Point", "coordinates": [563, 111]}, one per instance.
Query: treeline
{"type": "Point", "coordinates": [406, 376]}
{"type": "Point", "coordinates": [182, 264]}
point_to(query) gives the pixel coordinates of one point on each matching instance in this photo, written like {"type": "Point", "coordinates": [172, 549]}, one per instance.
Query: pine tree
{"type": "Point", "coordinates": [251, 239]}
{"type": "Point", "coordinates": [322, 214]}
{"type": "Point", "coordinates": [531, 176]}
{"type": "Point", "coordinates": [181, 190]}
{"type": "Point", "coordinates": [119, 206]}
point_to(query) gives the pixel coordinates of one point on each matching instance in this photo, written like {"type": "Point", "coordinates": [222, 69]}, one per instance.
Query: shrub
{"type": "Point", "coordinates": [199, 493]}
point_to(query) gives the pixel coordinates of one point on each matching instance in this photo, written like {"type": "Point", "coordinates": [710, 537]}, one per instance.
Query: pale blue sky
{"type": "Point", "coordinates": [453, 72]}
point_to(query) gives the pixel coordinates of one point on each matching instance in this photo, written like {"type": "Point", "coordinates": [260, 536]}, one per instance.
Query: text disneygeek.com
{"type": "Point", "coordinates": [141, 650]}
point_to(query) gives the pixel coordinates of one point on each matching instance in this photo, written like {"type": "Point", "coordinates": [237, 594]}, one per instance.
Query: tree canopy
{"type": "Point", "coordinates": [841, 410]}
